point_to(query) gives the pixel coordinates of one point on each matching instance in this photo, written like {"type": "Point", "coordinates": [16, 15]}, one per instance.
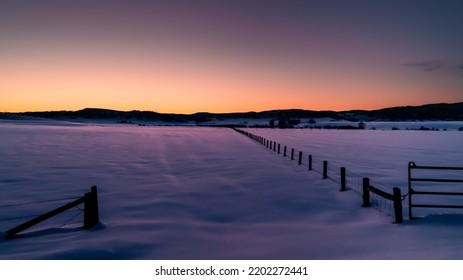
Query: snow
{"type": "Point", "coordinates": [211, 193]}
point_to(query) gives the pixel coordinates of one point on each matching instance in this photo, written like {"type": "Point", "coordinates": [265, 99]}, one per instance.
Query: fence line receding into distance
{"type": "Point", "coordinates": [362, 187]}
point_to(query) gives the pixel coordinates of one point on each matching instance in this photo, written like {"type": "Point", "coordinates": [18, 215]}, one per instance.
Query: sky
{"type": "Point", "coordinates": [181, 56]}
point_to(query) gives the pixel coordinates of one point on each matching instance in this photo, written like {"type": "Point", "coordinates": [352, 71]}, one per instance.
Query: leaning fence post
{"type": "Point", "coordinates": [91, 213]}
{"type": "Point", "coordinates": [300, 158]}
{"type": "Point", "coordinates": [325, 169]}
{"type": "Point", "coordinates": [366, 193]}
{"type": "Point", "coordinates": [343, 179]}
{"type": "Point", "coordinates": [398, 206]}
{"type": "Point", "coordinates": [310, 162]}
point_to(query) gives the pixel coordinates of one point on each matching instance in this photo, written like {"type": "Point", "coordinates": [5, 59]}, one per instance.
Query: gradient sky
{"type": "Point", "coordinates": [185, 56]}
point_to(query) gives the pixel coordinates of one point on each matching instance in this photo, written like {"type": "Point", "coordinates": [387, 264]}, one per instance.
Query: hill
{"type": "Point", "coordinates": [441, 111]}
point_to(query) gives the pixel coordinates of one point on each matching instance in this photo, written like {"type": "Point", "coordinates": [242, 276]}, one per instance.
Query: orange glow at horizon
{"type": "Point", "coordinates": [172, 83]}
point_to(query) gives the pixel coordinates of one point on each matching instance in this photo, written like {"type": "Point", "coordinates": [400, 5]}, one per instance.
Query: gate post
{"type": "Point", "coordinates": [410, 190]}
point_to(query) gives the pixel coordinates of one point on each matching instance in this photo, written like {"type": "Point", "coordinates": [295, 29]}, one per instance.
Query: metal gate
{"type": "Point", "coordinates": [416, 189]}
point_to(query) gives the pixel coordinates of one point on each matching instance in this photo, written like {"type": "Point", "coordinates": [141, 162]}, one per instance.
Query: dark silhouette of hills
{"type": "Point", "coordinates": [441, 111]}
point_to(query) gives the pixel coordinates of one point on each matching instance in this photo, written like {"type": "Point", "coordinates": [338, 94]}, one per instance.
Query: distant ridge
{"type": "Point", "coordinates": [439, 111]}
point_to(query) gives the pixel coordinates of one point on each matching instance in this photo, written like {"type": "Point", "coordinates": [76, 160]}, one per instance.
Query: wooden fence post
{"type": "Point", "coordinates": [366, 193]}
{"type": "Point", "coordinates": [398, 206]}
{"type": "Point", "coordinates": [292, 153]}
{"type": "Point", "coordinates": [325, 169]}
{"type": "Point", "coordinates": [284, 152]}
{"type": "Point", "coordinates": [278, 148]}
{"type": "Point", "coordinates": [310, 162]}
{"type": "Point", "coordinates": [91, 213]}
{"type": "Point", "coordinates": [274, 146]}
{"type": "Point", "coordinates": [343, 179]}
{"type": "Point", "coordinates": [300, 158]}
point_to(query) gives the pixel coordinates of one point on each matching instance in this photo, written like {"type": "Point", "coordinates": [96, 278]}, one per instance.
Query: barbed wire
{"type": "Point", "coordinates": [19, 218]}
{"type": "Point", "coordinates": [38, 202]}
{"type": "Point", "coordinates": [34, 216]}
{"type": "Point", "coordinates": [384, 206]}
{"type": "Point", "coordinates": [68, 222]}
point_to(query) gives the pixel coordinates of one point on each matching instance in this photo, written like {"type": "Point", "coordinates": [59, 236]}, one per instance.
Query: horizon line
{"type": "Point", "coordinates": [233, 112]}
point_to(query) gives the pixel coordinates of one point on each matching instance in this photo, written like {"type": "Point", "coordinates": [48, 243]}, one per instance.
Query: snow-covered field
{"type": "Point", "coordinates": [211, 193]}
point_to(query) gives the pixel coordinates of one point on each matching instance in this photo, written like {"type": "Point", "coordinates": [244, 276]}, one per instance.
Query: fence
{"type": "Point", "coordinates": [395, 197]}
{"type": "Point", "coordinates": [91, 213]}
{"type": "Point", "coordinates": [413, 192]}
{"type": "Point", "coordinates": [346, 182]}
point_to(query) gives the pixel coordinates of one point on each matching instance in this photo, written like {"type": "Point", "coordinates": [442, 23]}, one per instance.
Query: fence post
{"type": "Point", "coordinates": [292, 153]}
{"type": "Point", "coordinates": [278, 148]}
{"type": "Point", "coordinates": [366, 193]}
{"type": "Point", "coordinates": [343, 179]}
{"type": "Point", "coordinates": [300, 158]}
{"type": "Point", "coordinates": [274, 146]}
{"type": "Point", "coordinates": [310, 162]}
{"type": "Point", "coordinates": [284, 152]}
{"type": "Point", "coordinates": [325, 169]}
{"type": "Point", "coordinates": [410, 190]}
{"type": "Point", "coordinates": [91, 213]}
{"type": "Point", "coordinates": [398, 206]}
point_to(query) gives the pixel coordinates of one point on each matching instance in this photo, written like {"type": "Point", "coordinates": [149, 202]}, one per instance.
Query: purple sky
{"type": "Point", "coordinates": [187, 56]}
